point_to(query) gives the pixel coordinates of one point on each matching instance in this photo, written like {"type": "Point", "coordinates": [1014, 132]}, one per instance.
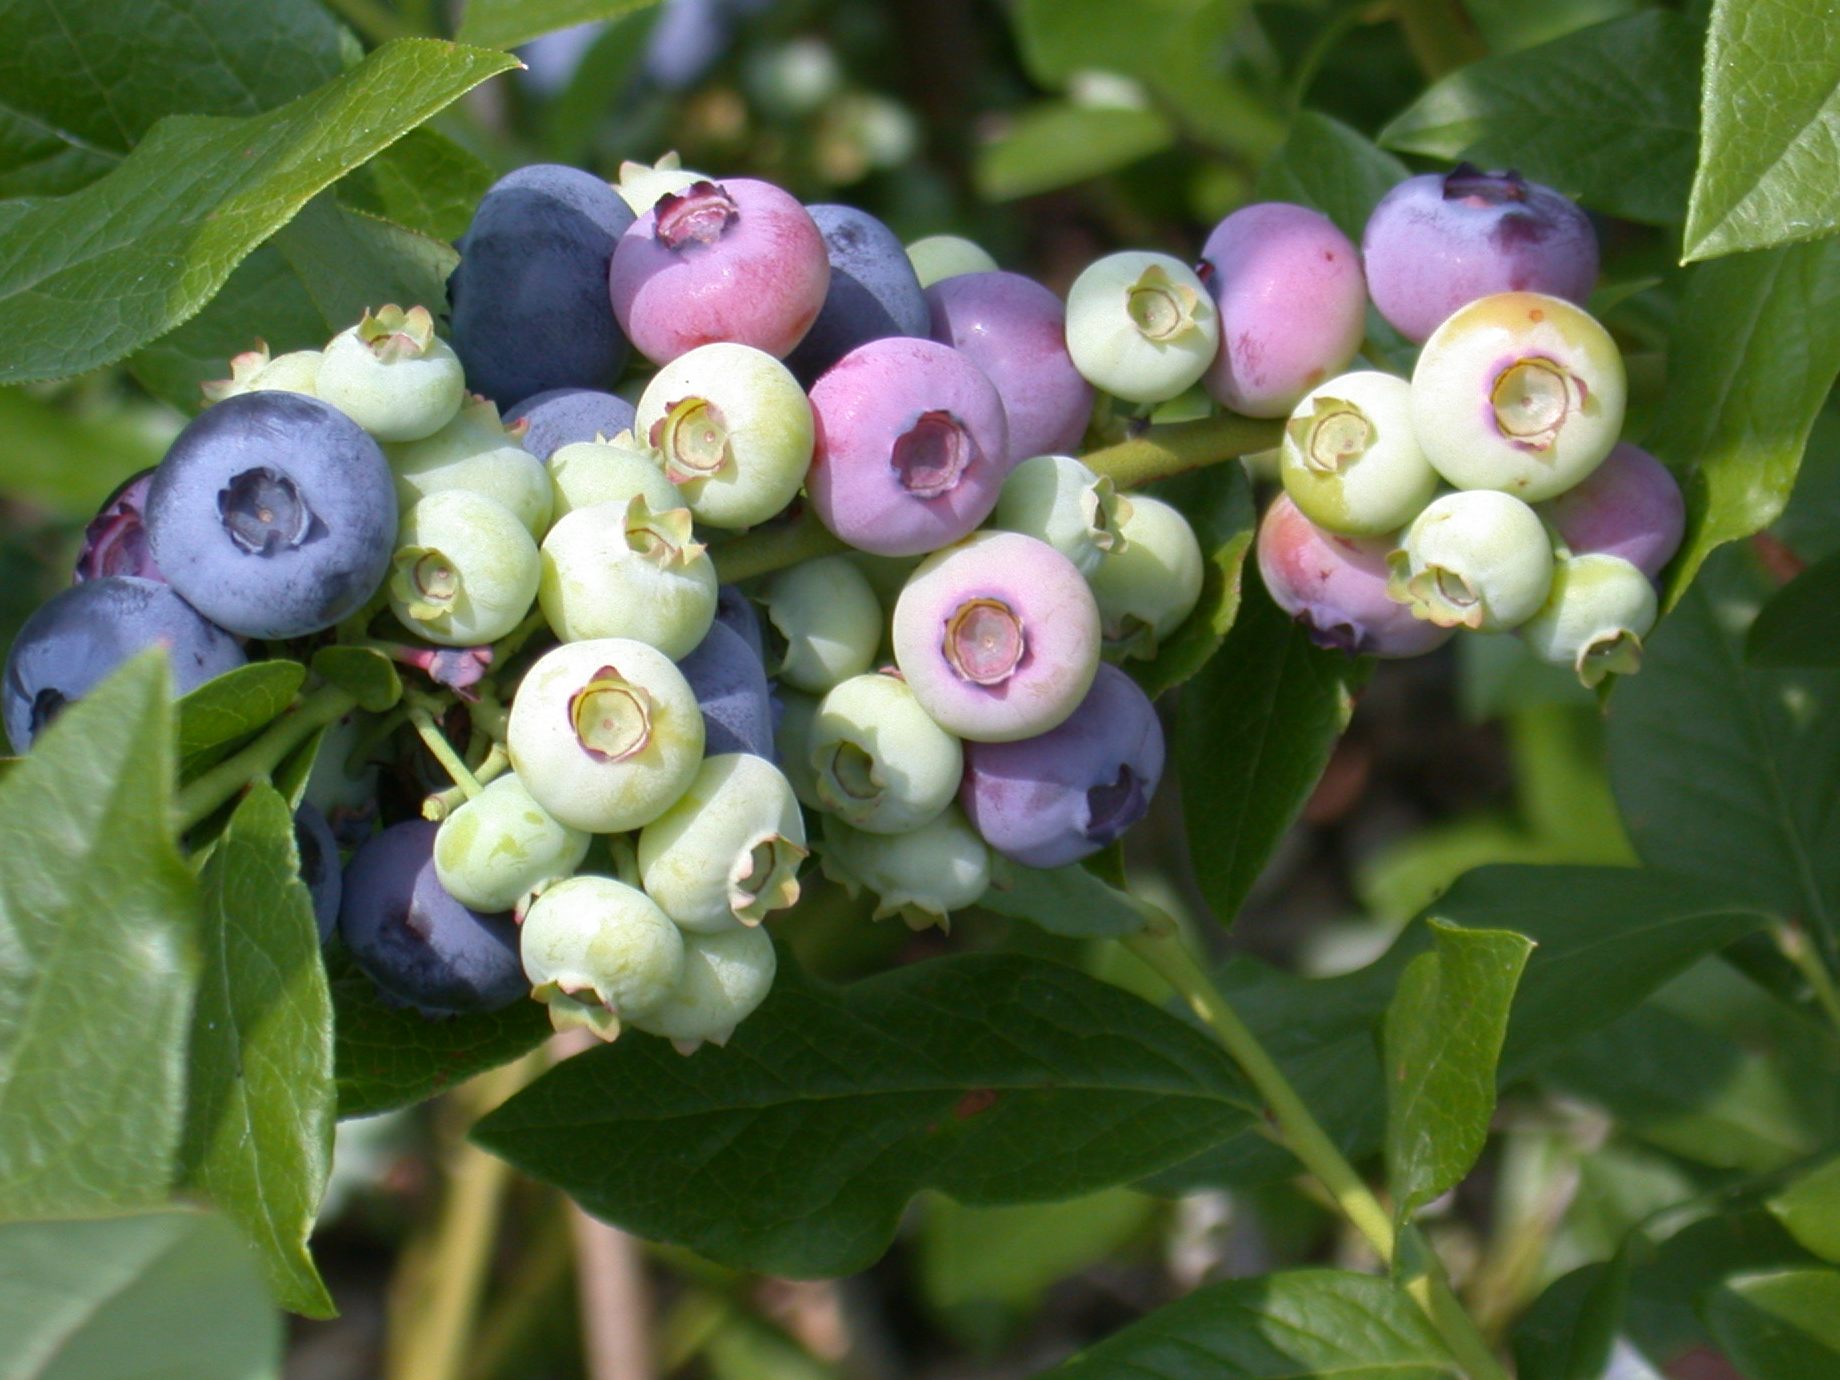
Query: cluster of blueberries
{"type": "Point", "coordinates": [943, 694]}
{"type": "Point", "coordinates": [1491, 492]}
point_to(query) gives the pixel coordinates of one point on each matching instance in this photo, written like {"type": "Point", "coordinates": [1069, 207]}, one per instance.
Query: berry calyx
{"type": "Point", "coordinates": [611, 716]}
{"type": "Point", "coordinates": [693, 439]}
{"type": "Point", "coordinates": [394, 334]}
{"type": "Point", "coordinates": [697, 215]}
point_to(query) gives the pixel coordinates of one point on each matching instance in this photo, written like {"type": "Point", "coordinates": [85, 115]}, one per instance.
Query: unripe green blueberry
{"type": "Point", "coordinates": [1150, 583]}
{"type": "Point", "coordinates": [728, 852]}
{"type": "Point", "coordinates": [1598, 611]}
{"type": "Point", "coordinates": [922, 876]}
{"type": "Point", "coordinates": [734, 430]}
{"type": "Point", "coordinates": [1519, 392]}
{"type": "Point", "coordinates": [610, 470]}
{"type": "Point", "coordinates": [1351, 461]}
{"type": "Point", "coordinates": [475, 451]}
{"type": "Point", "coordinates": [880, 763]}
{"type": "Point", "coordinates": [726, 976]}
{"type": "Point", "coordinates": [606, 734]}
{"type": "Point", "coordinates": [1479, 560]}
{"type": "Point", "coordinates": [254, 371]}
{"type": "Point", "coordinates": [612, 571]}
{"type": "Point", "coordinates": [936, 257]}
{"type": "Point", "coordinates": [598, 953]}
{"type": "Point", "coordinates": [1057, 499]}
{"type": "Point", "coordinates": [1141, 326]}
{"type": "Point", "coordinates": [501, 845]}
{"type": "Point", "coordinates": [829, 620]}
{"type": "Point", "coordinates": [465, 569]}
{"type": "Point", "coordinates": [792, 740]}
{"type": "Point", "coordinates": [392, 375]}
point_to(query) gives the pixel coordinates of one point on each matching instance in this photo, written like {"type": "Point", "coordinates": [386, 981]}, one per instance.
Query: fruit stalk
{"type": "Point", "coordinates": [196, 801]}
{"type": "Point", "coordinates": [1161, 947]}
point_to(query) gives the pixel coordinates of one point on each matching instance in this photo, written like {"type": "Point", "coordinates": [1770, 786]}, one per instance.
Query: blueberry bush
{"type": "Point", "coordinates": [824, 689]}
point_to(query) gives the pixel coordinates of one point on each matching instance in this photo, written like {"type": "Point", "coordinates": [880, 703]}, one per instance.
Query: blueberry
{"type": "Point", "coordinates": [1351, 460]}
{"type": "Point", "coordinates": [585, 473]}
{"type": "Point", "coordinates": [1336, 587]}
{"type": "Point", "coordinates": [501, 845]}
{"type": "Point", "coordinates": [1594, 619]}
{"type": "Point", "coordinates": [938, 257]}
{"type": "Point", "coordinates": [728, 851]}
{"type": "Point", "coordinates": [730, 685]}
{"type": "Point", "coordinates": [419, 945]}
{"type": "Point", "coordinates": [1056, 798]}
{"type": "Point", "coordinates": [873, 293]}
{"type": "Point", "coordinates": [319, 867]}
{"type": "Point", "coordinates": [72, 643]}
{"type": "Point", "coordinates": [737, 612]}
{"type": "Point", "coordinates": [465, 571]}
{"type": "Point", "coordinates": [1292, 305]}
{"type": "Point", "coordinates": [912, 446]}
{"type": "Point", "coordinates": [922, 876]}
{"type": "Point", "coordinates": [1059, 500]}
{"type": "Point", "coordinates": [562, 416]}
{"type": "Point", "coordinates": [1141, 326]}
{"type": "Point", "coordinates": [878, 760]}
{"type": "Point", "coordinates": [477, 452]}
{"type": "Point", "coordinates": [739, 261]}
{"type": "Point", "coordinates": [392, 375]}
{"type": "Point", "coordinates": [253, 371]}
{"type": "Point", "coordinates": [115, 542]}
{"type": "Point", "coordinates": [1150, 580]}
{"type": "Point", "coordinates": [625, 571]}
{"type": "Point", "coordinates": [1629, 506]}
{"type": "Point", "coordinates": [1015, 330]}
{"type": "Point", "coordinates": [726, 977]}
{"type": "Point", "coordinates": [273, 514]}
{"type": "Point", "coordinates": [998, 637]}
{"type": "Point", "coordinates": [1476, 559]}
{"type": "Point", "coordinates": [1439, 241]}
{"type": "Point", "coordinates": [529, 298]}
{"type": "Point", "coordinates": [828, 620]}
{"type": "Point", "coordinates": [598, 952]}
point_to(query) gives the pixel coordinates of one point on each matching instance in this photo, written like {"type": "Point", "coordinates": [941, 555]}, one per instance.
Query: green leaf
{"type": "Point", "coordinates": [1062, 900]}
{"type": "Point", "coordinates": [1668, 1280]}
{"type": "Point", "coordinates": [993, 1078]}
{"type": "Point", "coordinates": [506, 23]}
{"type": "Point", "coordinates": [364, 673]}
{"type": "Point", "coordinates": [1725, 774]}
{"type": "Point", "coordinates": [1217, 501]}
{"type": "Point", "coordinates": [389, 1057]}
{"type": "Point", "coordinates": [423, 182]}
{"type": "Point", "coordinates": [1291, 1326]}
{"type": "Point", "coordinates": [98, 956]}
{"type": "Point", "coordinates": [1338, 170]}
{"type": "Point", "coordinates": [1771, 97]}
{"type": "Point", "coordinates": [169, 1293]}
{"type": "Point", "coordinates": [1442, 1036]}
{"type": "Point", "coordinates": [1605, 937]}
{"type": "Point", "coordinates": [1752, 355]}
{"type": "Point", "coordinates": [349, 261]}
{"type": "Point", "coordinates": [1608, 114]}
{"type": "Point", "coordinates": [1800, 626]}
{"type": "Point", "coordinates": [127, 258]}
{"type": "Point", "coordinates": [1058, 143]}
{"type": "Point", "coordinates": [1571, 1328]}
{"type": "Point", "coordinates": [234, 705]}
{"type": "Point", "coordinates": [1782, 1325]}
{"type": "Point", "coordinates": [1810, 1208]}
{"type": "Point", "coordinates": [1253, 732]}
{"type": "Point", "coordinates": [85, 79]}
{"type": "Point", "coordinates": [67, 462]}
{"type": "Point", "coordinates": [258, 1133]}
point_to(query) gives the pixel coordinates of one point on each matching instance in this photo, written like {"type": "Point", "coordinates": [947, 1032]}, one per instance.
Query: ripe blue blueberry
{"type": "Point", "coordinates": [737, 611]}
{"type": "Point", "coordinates": [558, 417]}
{"type": "Point", "coordinates": [730, 685]}
{"type": "Point", "coordinates": [73, 641]}
{"type": "Point", "coordinates": [115, 541]}
{"type": "Point", "coordinates": [1056, 798]}
{"type": "Point", "coordinates": [319, 867]}
{"type": "Point", "coordinates": [1441, 240]}
{"type": "Point", "coordinates": [873, 291]}
{"type": "Point", "coordinates": [529, 297]}
{"type": "Point", "coordinates": [273, 514]}
{"type": "Point", "coordinates": [419, 945]}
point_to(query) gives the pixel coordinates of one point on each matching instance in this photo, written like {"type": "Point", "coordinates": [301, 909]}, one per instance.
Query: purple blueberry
{"type": "Point", "coordinates": [874, 291]}
{"type": "Point", "coordinates": [1056, 798]}
{"type": "Point", "coordinates": [737, 261]}
{"type": "Point", "coordinates": [1335, 586]}
{"type": "Point", "coordinates": [81, 634]}
{"type": "Point", "coordinates": [562, 417]}
{"type": "Point", "coordinates": [1292, 304]}
{"type": "Point", "coordinates": [1629, 506]}
{"type": "Point", "coordinates": [273, 514]}
{"type": "Point", "coordinates": [319, 867]}
{"type": "Point", "coordinates": [115, 542]}
{"type": "Point", "coordinates": [730, 686]}
{"type": "Point", "coordinates": [737, 611]}
{"type": "Point", "coordinates": [912, 446]}
{"type": "Point", "coordinates": [1439, 241]}
{"type": "Point", "coordinates": [419, 945]}
{"type": "Point", "coordinates": [529, 298]}
{"type": "Point", "coordinates": [1015, 330]}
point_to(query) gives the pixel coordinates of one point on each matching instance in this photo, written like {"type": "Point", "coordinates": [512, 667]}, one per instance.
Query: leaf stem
{"type": "Point", "coordinates": [1160, 945]}
{"type": "Point", "coordinates": [1792, 939]}
{"type": "Point", "coordinates": [199, 798]}
{"type": "Point", "coordinates": [436, 742]}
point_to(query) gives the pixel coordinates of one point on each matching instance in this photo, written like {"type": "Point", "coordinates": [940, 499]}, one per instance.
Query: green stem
{"type": "Point", "coordinates": [1440, 34]}
{"type": "Point", "coordinates": [441, 804]}
{"type": "Point", "coordinates": [1161, 947]}
{"type": "Point", "coordinates": [767, 549]}
{"type": "Point", "coordinates": [197, 800]}
{"type": "Point", "coordinates": [436, 742]}
{"type": "Point", "coordinates": [1793, 940]}
{"type": "Point", "coordinates": [1177, 447]}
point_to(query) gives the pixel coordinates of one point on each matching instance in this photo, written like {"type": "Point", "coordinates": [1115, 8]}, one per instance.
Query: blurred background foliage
{"type": "Point", "coordinates": [1051, 131]}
